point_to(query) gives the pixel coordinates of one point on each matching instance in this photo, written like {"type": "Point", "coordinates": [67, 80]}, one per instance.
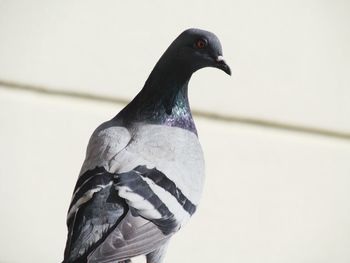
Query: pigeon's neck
{"type": "Point", "coordinates": [163, 99]}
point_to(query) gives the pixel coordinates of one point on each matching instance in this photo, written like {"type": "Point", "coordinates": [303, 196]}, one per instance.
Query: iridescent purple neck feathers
{"type": "Point", "coordinates": [171, 110]}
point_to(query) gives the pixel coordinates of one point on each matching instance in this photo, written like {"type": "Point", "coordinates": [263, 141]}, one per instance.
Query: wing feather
{"type": "Point", "coordinates": [134, 236]}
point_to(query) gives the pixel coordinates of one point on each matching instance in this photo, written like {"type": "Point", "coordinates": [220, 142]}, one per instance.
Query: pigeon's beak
{"type": "Point", "coordinates": [221, 64]}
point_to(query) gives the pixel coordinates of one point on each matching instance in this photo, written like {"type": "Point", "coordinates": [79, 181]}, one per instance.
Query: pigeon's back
{"type": "Point", "coordinates": [174, 151]}
{"type": "Point", "coordinates": [153, 173]}
{"type": "Point", "coordinates": [160, 176]}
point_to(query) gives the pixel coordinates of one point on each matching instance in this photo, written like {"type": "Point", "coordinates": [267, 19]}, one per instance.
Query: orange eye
{"type": "Point", "coordinates": [201, 43]}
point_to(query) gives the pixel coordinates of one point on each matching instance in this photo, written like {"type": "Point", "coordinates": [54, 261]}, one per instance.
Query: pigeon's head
{"type": "Point", "coordinates": [194, 49]}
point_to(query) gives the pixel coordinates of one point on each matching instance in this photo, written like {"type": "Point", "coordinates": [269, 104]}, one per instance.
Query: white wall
{"type": "Point", "coordinates": [272, 194]}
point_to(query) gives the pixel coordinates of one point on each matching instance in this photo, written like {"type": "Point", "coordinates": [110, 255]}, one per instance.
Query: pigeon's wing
{"type": "Point", "coordinates": [117, 216]}
{"type": "Point", "coordinates": [96, 208]}
{"type": "Point", "coordinates": [157, 208]}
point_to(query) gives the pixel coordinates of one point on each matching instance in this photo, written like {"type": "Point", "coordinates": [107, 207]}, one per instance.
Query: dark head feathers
{"type": "Point", "coordinates": [194, 49]}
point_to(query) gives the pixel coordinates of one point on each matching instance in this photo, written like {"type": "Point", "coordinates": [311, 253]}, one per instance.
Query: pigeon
{"type": "Point", "coordinates": [143, 174]}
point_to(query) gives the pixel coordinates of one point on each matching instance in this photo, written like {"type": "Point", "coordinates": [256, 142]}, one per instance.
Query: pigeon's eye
{"type": "Point", "coordinates": [201, 43]}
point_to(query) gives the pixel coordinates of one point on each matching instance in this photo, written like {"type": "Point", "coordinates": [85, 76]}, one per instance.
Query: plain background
{"type": "Point", "coordinates": [276, 135]}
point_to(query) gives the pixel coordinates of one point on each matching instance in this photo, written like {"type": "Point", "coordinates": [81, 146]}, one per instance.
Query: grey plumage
{"type": "Point", "coordinates": [143, 173]}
